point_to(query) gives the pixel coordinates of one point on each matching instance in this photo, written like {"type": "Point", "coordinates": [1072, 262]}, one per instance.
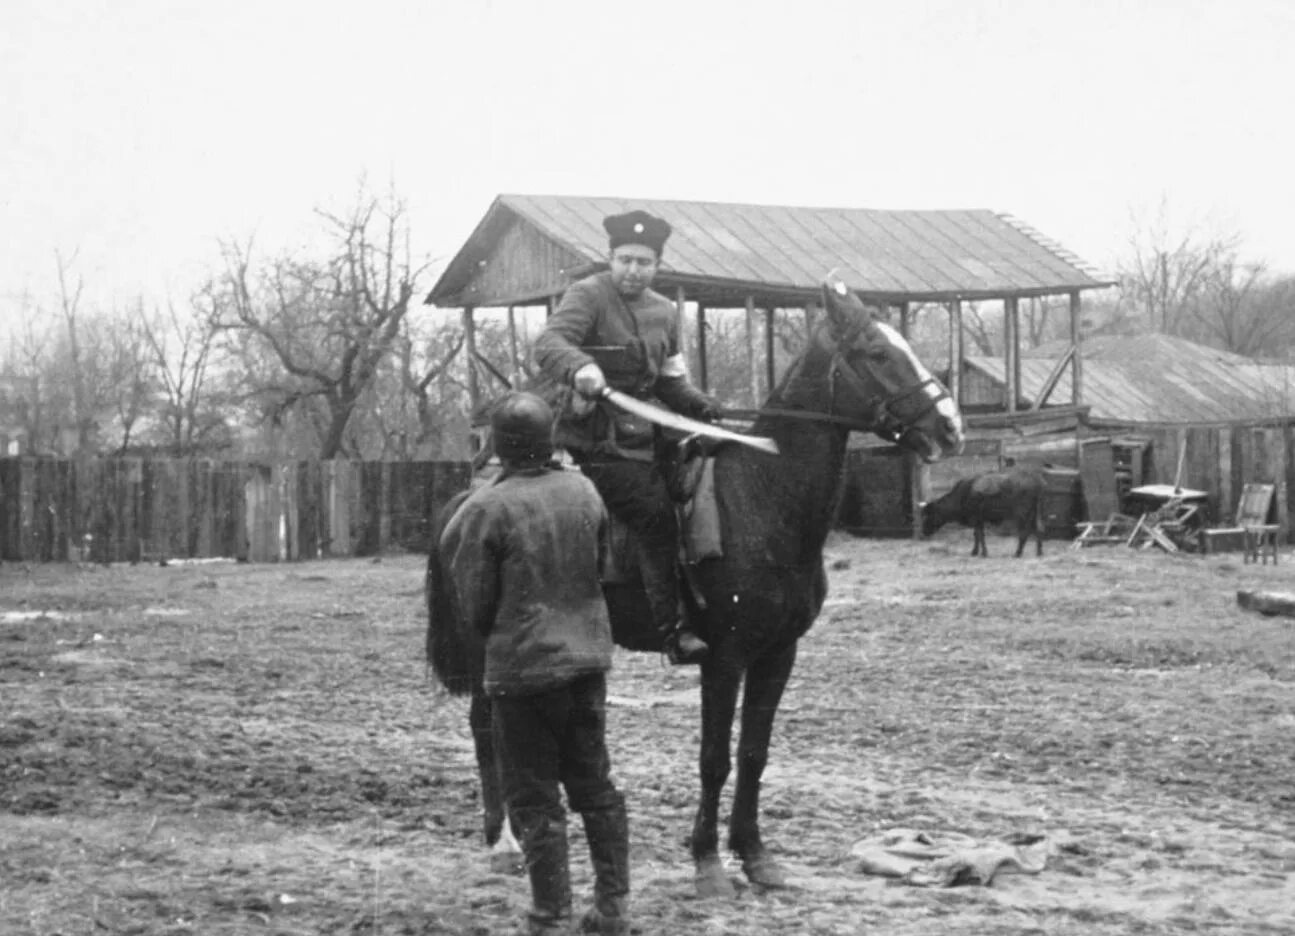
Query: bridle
{"type": "Point", "coordinates": [881, 417]}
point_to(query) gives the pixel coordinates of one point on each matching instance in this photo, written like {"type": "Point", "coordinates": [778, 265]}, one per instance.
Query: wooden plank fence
{"type": "Point", "coordinates": [145, 509]}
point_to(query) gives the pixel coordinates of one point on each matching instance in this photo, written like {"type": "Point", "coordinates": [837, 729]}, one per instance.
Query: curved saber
{"type": "Point", "coordinates": [672, 420]}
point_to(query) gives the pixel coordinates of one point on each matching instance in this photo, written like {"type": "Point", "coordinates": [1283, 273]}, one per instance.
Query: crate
{"type": "Point", "coordinates": [1063, 505]}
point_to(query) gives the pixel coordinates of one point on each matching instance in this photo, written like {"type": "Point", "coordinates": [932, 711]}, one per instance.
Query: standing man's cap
{"type": "Point", "coordinates": [637, 227]}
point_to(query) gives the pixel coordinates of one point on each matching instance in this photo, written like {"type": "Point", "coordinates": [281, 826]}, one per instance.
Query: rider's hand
{"type": "Point", "coordinates": [710, 411]}
{"type": "Point", "coordinates": [589, 380]}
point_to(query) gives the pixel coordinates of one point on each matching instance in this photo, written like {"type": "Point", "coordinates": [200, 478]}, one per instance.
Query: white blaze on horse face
{"type": "Point", "coordinates": [944, 405]}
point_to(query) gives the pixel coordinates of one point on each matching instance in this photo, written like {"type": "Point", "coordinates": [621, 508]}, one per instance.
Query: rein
{"type": "Point", "coordinates": [883, 421]}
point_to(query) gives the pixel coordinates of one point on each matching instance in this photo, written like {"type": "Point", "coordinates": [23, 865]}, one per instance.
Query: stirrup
{"type": "Point", "coordinates": [695, 651]}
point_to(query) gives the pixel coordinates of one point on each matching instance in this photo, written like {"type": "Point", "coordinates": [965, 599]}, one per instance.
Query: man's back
{"type": "Point", "coordinates": [526, 554]}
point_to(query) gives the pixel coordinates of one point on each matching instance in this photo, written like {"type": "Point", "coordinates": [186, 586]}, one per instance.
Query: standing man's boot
{"type": "Point", "coordinates": [550, 874]}
{"type": "Point", "coordinates": [607, 831]}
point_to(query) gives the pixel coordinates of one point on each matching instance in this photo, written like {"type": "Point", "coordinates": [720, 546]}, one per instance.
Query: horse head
{"type": "Point", "coordinates": [878, 382]}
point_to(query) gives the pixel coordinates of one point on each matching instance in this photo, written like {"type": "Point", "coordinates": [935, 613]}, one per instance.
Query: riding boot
{"type": "Point", "coordinates": [607, 831]}
{"type": "Point", "coordinates": [657, 562]}
{"type": "Point", "coordinates": [550, 874]}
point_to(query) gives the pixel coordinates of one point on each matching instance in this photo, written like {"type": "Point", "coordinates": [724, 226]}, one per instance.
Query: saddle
{"type": "Point", "coordinates": [689, 474]}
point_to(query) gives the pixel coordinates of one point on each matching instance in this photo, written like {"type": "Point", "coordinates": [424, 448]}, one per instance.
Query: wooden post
{"type": "Point", "coordinates": [1011, 351]}
{"type": "Point", "coordinates": [702, 374]}
{"type": "Point", "coordinates": [919, 475]}
{"type": "Point", "coordinates": [470, 349]}
{"type": "Point", "coordinates": [1281, 474]}
{"type": "Point", "coordinates": [1077, 365]}
{"type": "Point", "coordinates": [752, 373]}
{"type": "Point", "coordinates": [919, 486]}
{"type": "Point", "coordinates": [955, 350]}
{"type": "Point", "coordinates": [514, 368]}
{"type": "Point", "coordinates": [768, 348]}
{"type": "Point", "coordinates": [681, 305]}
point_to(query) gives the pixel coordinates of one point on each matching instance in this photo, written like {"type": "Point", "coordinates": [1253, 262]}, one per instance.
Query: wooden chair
{"type": "Point", "coordinates": [1253, 523]}
{"type": "Point", "coordinates": [1116, 528]}
{"type": "Point", "coordinates": [1168, 526]}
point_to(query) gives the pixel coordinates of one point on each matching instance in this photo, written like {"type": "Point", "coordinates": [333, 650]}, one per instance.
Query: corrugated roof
{"type": "Point", "coordinates": [910, 255]}
{"type": "Point", "coordinates": [1158, 379]}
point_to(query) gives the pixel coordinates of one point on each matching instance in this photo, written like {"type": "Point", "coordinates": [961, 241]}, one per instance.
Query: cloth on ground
{"type": "Point", "coordinates": [947, 859]}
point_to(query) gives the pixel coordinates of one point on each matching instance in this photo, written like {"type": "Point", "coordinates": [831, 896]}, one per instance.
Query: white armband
{"type": "Point", "coordinates": [674, 366]}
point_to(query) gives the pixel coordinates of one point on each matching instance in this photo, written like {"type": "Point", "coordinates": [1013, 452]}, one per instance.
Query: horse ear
{"type": "Point", "coordinates": [837, 302]}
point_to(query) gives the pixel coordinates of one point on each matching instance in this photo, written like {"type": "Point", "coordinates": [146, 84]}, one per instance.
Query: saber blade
{"type": "Point", "coordinates": [673, 420]}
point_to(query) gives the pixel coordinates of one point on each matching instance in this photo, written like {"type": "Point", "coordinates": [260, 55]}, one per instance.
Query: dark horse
{"type": "Point", "coordinates": [765, 592]}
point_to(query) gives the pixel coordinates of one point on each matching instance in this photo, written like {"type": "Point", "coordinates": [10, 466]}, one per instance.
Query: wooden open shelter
{"type": "Point", "coordinates": [527, 249]}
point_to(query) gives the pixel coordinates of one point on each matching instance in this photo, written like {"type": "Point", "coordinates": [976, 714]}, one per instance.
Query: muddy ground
{"type": "Point", "coordinates": [228, 748]}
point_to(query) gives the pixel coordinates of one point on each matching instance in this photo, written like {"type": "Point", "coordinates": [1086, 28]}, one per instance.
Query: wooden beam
{"type": "Point", "coordinates": [1269, 603]}
{"type": "Point", "coordinates": [681, 304]}
{"type": "Point", "coordinates": [955, 350]}
{"type": "Point", "coordinates": [919, 489]}
{"type": "Point", "coordinates": [752, 374]}
{"type": "Point", "coordinates": [470, 345]}
{"type": "Point", "coordinates": [1077, 373]}
{"type": "Point", "coordinates": [905, 319]}
{"type": "Point", "coordinates": [1051, 383]}
{"type": "Point", "coordinates": [702, 374]}
{"type": "Point", "coordinates": [1011, 351]}
{"type": "Point", "coordinates": [768, 348]}
{"type": "Point", "coordinates": [514, 366]}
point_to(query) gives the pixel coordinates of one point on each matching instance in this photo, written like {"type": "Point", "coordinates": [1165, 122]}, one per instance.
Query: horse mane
{"type": "Point", "coordinates": [774, 492]}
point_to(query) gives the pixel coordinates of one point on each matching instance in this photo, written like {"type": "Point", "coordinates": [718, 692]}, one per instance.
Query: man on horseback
{"type": "Point", "coordinates": [525, 553]}
{"type": "Point", "coordinates": [612, 330]}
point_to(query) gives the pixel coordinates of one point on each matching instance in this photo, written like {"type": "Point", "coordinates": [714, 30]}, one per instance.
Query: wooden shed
{"type": "Point", "coordinates": [1174, 411]}
{"type": "Point", "coordinates": [527, 249]}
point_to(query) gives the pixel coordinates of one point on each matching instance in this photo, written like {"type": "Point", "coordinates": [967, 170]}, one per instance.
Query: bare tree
{"type": "Point", "coordinates": [128, 372]}
{"type": "Point", "coordinates": [1167, 275]}
{"type": "Point", "coordinates": [1243, 311]}
{"type": "Point", "coordinates": [76, 375]}
{"type": "Point", "coordinates": [327, 326]}
{"type": "Point", "coordinates": [425, 372]}
{"type": "Point", "coordinates": [985, 330]}
{"type": "Point", "coordinates": [182, 347]}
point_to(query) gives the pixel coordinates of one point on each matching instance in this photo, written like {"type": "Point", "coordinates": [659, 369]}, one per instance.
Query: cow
{"type": "Point", "coordinates": [1014, 497]}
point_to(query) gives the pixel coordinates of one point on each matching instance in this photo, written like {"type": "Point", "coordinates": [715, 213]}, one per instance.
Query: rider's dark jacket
{"type": "Point", "coordinates": [525, 553]}
{"type": "Point", "coordinates": [634, 341]}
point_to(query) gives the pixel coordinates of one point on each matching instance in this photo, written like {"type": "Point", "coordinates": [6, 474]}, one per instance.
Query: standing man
{"type": "Point", "coordinates": [612, 329]}
{"type": "Point", "coordinates": [525, 555]}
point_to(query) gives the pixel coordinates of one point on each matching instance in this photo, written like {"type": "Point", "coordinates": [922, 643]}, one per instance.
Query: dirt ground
{"type": "Point", "coordinates": [225, 748]}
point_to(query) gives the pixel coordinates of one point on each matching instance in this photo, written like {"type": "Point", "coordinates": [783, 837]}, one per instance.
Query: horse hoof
{"type": "Point", "coordinates": [765, 872]}
{"type": "Point", "coordinates": [712, 881]}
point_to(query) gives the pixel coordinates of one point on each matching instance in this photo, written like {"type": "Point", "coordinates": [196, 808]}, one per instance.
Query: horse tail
{"type": "Point", "coordinates": [457, 657]}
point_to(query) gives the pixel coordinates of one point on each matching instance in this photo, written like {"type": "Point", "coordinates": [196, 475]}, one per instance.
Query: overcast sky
{"type": "Point", "coordinates": [140, 132]}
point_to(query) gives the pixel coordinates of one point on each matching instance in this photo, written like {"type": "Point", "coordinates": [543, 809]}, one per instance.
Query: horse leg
{"type": "Point", "coordinates": [766, 679]}
{"type": "Point", "coordinates": [505, 853]}
{"type": "Point", "coordinates": [719, 684]}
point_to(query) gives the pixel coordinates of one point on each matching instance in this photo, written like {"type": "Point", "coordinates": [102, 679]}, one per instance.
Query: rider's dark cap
{"type": "Point", "coordinates": [637, 227]}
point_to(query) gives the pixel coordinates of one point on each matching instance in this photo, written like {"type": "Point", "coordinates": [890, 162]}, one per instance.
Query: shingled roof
{"type": "Point", "coordinates": [722, 252]}
{"type": "Point", "coordinates": [1154, 380]}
